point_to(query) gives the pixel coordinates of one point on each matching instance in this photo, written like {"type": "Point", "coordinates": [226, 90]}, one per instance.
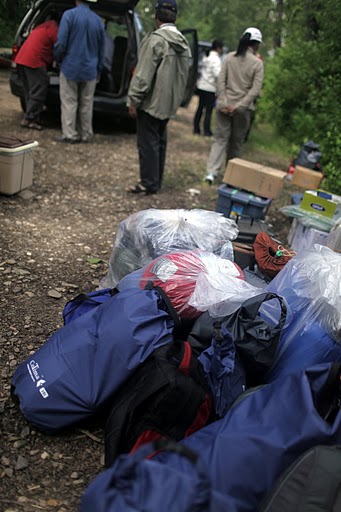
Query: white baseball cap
{"type": "Point", "coordinates": [255, 34]}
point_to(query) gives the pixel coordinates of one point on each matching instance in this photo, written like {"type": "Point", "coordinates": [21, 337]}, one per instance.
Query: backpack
{"type": "Point", "coordinates": [167, 397]}
{"type": "Point", "coordinates": [311, 484]}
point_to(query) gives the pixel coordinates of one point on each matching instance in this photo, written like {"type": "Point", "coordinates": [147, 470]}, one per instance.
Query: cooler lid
{"type": "Point", "coordinates": [13, 142]}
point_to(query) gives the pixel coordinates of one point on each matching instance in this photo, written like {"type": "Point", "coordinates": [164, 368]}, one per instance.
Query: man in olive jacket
{"type": "Point", "coordinates": [155, 93]}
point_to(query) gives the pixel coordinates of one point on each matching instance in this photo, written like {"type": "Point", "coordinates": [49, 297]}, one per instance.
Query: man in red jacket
{"type": "Point", "coordinates": [35, 55]}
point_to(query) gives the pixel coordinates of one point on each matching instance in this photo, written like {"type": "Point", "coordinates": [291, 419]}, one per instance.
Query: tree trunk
{"type": "Point", "coordinates": [277, 38]}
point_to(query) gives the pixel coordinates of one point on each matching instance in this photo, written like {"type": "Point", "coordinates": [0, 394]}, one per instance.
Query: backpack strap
{"type": "Point", "coordinates": [169, 305]}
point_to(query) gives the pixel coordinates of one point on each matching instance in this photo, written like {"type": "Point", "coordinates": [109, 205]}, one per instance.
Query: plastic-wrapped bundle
{"type": "Point", "coordinates": [308, 219]}
{"type": "Point", "coordinates": [311, 285]}
{"type": "Point", "coordinates": [220, 294]}
{"type": "Point", "coordinates": [177, 273]}
{"type": "Point", "coordinates": [147, 234]}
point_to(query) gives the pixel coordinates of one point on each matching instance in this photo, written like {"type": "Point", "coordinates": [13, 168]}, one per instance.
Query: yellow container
{"type": "Point", "coordinates": [16, 168]}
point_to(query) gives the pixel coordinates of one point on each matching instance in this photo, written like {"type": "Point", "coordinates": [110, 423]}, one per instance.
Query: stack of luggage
{"type": "Point", "coordinates": [216, 394]}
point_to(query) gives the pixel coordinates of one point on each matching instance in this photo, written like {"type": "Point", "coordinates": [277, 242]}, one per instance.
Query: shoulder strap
{"type": "Point", "coordinates": [169, 305]}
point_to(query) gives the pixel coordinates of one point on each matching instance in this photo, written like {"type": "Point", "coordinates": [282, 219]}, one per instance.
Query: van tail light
{"type": "Point", "coordinates": [15, 50]}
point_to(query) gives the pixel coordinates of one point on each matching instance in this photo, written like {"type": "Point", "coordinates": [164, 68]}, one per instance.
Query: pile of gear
{"type": "Point", "coordinates": [210, 388]}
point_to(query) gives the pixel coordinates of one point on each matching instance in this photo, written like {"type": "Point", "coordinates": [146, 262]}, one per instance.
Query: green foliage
{"type": "Point", "coordinates": [302, 87]}
{"type": "Point", "coordinates": [7, 33]}
{"type": "Point", "coordinates": [12, 11]}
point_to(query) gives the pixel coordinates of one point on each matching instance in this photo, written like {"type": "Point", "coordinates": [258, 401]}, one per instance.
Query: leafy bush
{"type": "Point", "coordinates": [7, 33]}
{"type": "Point", "coordinates": [301, 97]}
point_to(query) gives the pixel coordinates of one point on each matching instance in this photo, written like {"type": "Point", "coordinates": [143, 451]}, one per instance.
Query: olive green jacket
{"type": "Point", "coordinates": [160, 78]}
{"type": "Point", "coordinates": [240, 81]}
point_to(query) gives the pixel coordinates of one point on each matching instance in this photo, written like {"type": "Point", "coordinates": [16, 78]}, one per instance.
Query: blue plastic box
{"type": "Point", "coordinates": [237, 203]}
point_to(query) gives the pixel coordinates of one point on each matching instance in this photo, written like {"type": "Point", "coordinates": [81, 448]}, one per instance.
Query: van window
{"type": "Point", "coordinates": [116, 46]}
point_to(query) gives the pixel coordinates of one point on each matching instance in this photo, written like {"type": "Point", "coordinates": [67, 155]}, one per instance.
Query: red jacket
{"type": "Point", "coordinates": [37, 50]}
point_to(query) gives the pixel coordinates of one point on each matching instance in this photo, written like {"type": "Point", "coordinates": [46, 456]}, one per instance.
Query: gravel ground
{"type": "Point", "coordinates": [47, 234]}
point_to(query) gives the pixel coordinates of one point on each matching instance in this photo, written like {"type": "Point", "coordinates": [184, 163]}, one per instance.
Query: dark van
{"type": "Point", "coordinates": [123, 35]}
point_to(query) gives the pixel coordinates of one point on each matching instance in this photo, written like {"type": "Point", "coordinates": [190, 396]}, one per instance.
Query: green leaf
{"type": "Point", "coordinates": [94, 261]}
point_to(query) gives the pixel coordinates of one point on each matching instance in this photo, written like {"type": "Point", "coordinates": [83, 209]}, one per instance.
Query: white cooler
{"type": "Point", "coordinates": [16, 166]}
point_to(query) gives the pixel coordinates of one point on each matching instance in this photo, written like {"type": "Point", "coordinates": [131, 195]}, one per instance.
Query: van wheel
{"type": "Point", "coordinates": [23, 104]}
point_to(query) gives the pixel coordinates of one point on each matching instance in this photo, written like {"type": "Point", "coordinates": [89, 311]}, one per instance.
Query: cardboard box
{"type": "Point", "coordinates": [16, 168]}
{"type": "Point", "coordinates": [306, 178]}
{"type": "Point", "coordinates": [305, 238]}
{"type": "Point", "coordinates": [312, 202]}
{"type": "Point", "coordinates": [262, 181]}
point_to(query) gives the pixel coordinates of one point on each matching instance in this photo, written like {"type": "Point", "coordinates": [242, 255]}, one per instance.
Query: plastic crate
{"type": "Point", "coordinates": [237, 203]}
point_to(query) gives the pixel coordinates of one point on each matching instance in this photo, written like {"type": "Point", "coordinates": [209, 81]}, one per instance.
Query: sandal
{"type": "Point", "coordinates": [139, 189]}
{"type": "Point", "coordinates": [34, 126]}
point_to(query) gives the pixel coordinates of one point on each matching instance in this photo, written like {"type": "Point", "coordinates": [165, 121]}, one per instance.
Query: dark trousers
{"type": "Point", "coordinates": [206, 101]}
{"type": "Point", "coordinates": [152, 144]}
{"type": "Point", "coordinates": [35, 83]}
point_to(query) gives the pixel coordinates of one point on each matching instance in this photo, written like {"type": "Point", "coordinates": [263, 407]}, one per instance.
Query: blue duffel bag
{"type": "Point", "coordinates": [264, 432]}
{"type": "Point", "coordinates": [136, 483]}
{"type": "Point", "coordinates": [75, 373]}
{"type": "Point", "coordinates": [85, 302]}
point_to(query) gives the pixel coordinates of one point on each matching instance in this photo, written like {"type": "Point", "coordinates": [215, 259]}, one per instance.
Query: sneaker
{"type": "Point", "coordinates": [68, 141]}
{"type": "Point", "coordinates": [209, 178]}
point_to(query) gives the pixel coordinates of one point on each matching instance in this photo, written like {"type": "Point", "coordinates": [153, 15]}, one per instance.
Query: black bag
{"type": "Point", "coordinates": [166, 398]}
{"type": "Point", "coordinates": [311, 484]}
{"type": "Point", "coordinates": [256, 339]}
{"type": "Point", "coordinates": [309, 156]}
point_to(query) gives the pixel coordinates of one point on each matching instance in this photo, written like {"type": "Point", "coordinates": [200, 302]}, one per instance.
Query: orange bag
{"type": "Point", "coordinates": [270, 256]}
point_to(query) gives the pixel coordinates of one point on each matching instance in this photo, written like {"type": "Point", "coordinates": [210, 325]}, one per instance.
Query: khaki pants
{"type": "Point", "coordinates": [76, 100]}
{"type": "Point", "coordinates": [228, 139]}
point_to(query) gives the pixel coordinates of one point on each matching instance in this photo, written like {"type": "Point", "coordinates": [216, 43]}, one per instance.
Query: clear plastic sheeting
{"type": "Point", "coordinates": [308, 219]}
{"type": "Point", "coordinates": [311, 284]}
{"type": "Point", "coordinates": [177, 274]}
{"type": "Point", "coordinates": [314, 277]}
{"type": "Point", "coordinates": [334, 238]}
{"type": "Point", "coordinates": [220, 293]}
{"type": "Point", "coordinates": [147, 234]}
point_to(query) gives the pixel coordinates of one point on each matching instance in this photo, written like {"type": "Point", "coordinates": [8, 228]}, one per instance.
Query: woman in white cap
{"type": "Point", "coordinates": [239, 84]}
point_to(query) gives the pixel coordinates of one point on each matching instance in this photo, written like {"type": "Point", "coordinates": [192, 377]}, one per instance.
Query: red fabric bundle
{"type": "Point", "coordinates": [270, 256]}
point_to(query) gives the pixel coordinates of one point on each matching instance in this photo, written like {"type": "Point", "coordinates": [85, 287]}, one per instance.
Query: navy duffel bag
{"type": "Point", "coordinates": [138, 483]}
{"type": "Point", "coordinates": [264, 432]}
{"type": "Point", "coordinates": [75, 373]}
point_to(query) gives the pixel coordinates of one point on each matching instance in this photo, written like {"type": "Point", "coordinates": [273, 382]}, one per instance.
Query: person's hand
{"type": "Point", "coordinates": [132, 111]}
{"type": "Point", "coordinates": [224, 110]}
{"type": "Point", "coordinates": [231, 109]}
